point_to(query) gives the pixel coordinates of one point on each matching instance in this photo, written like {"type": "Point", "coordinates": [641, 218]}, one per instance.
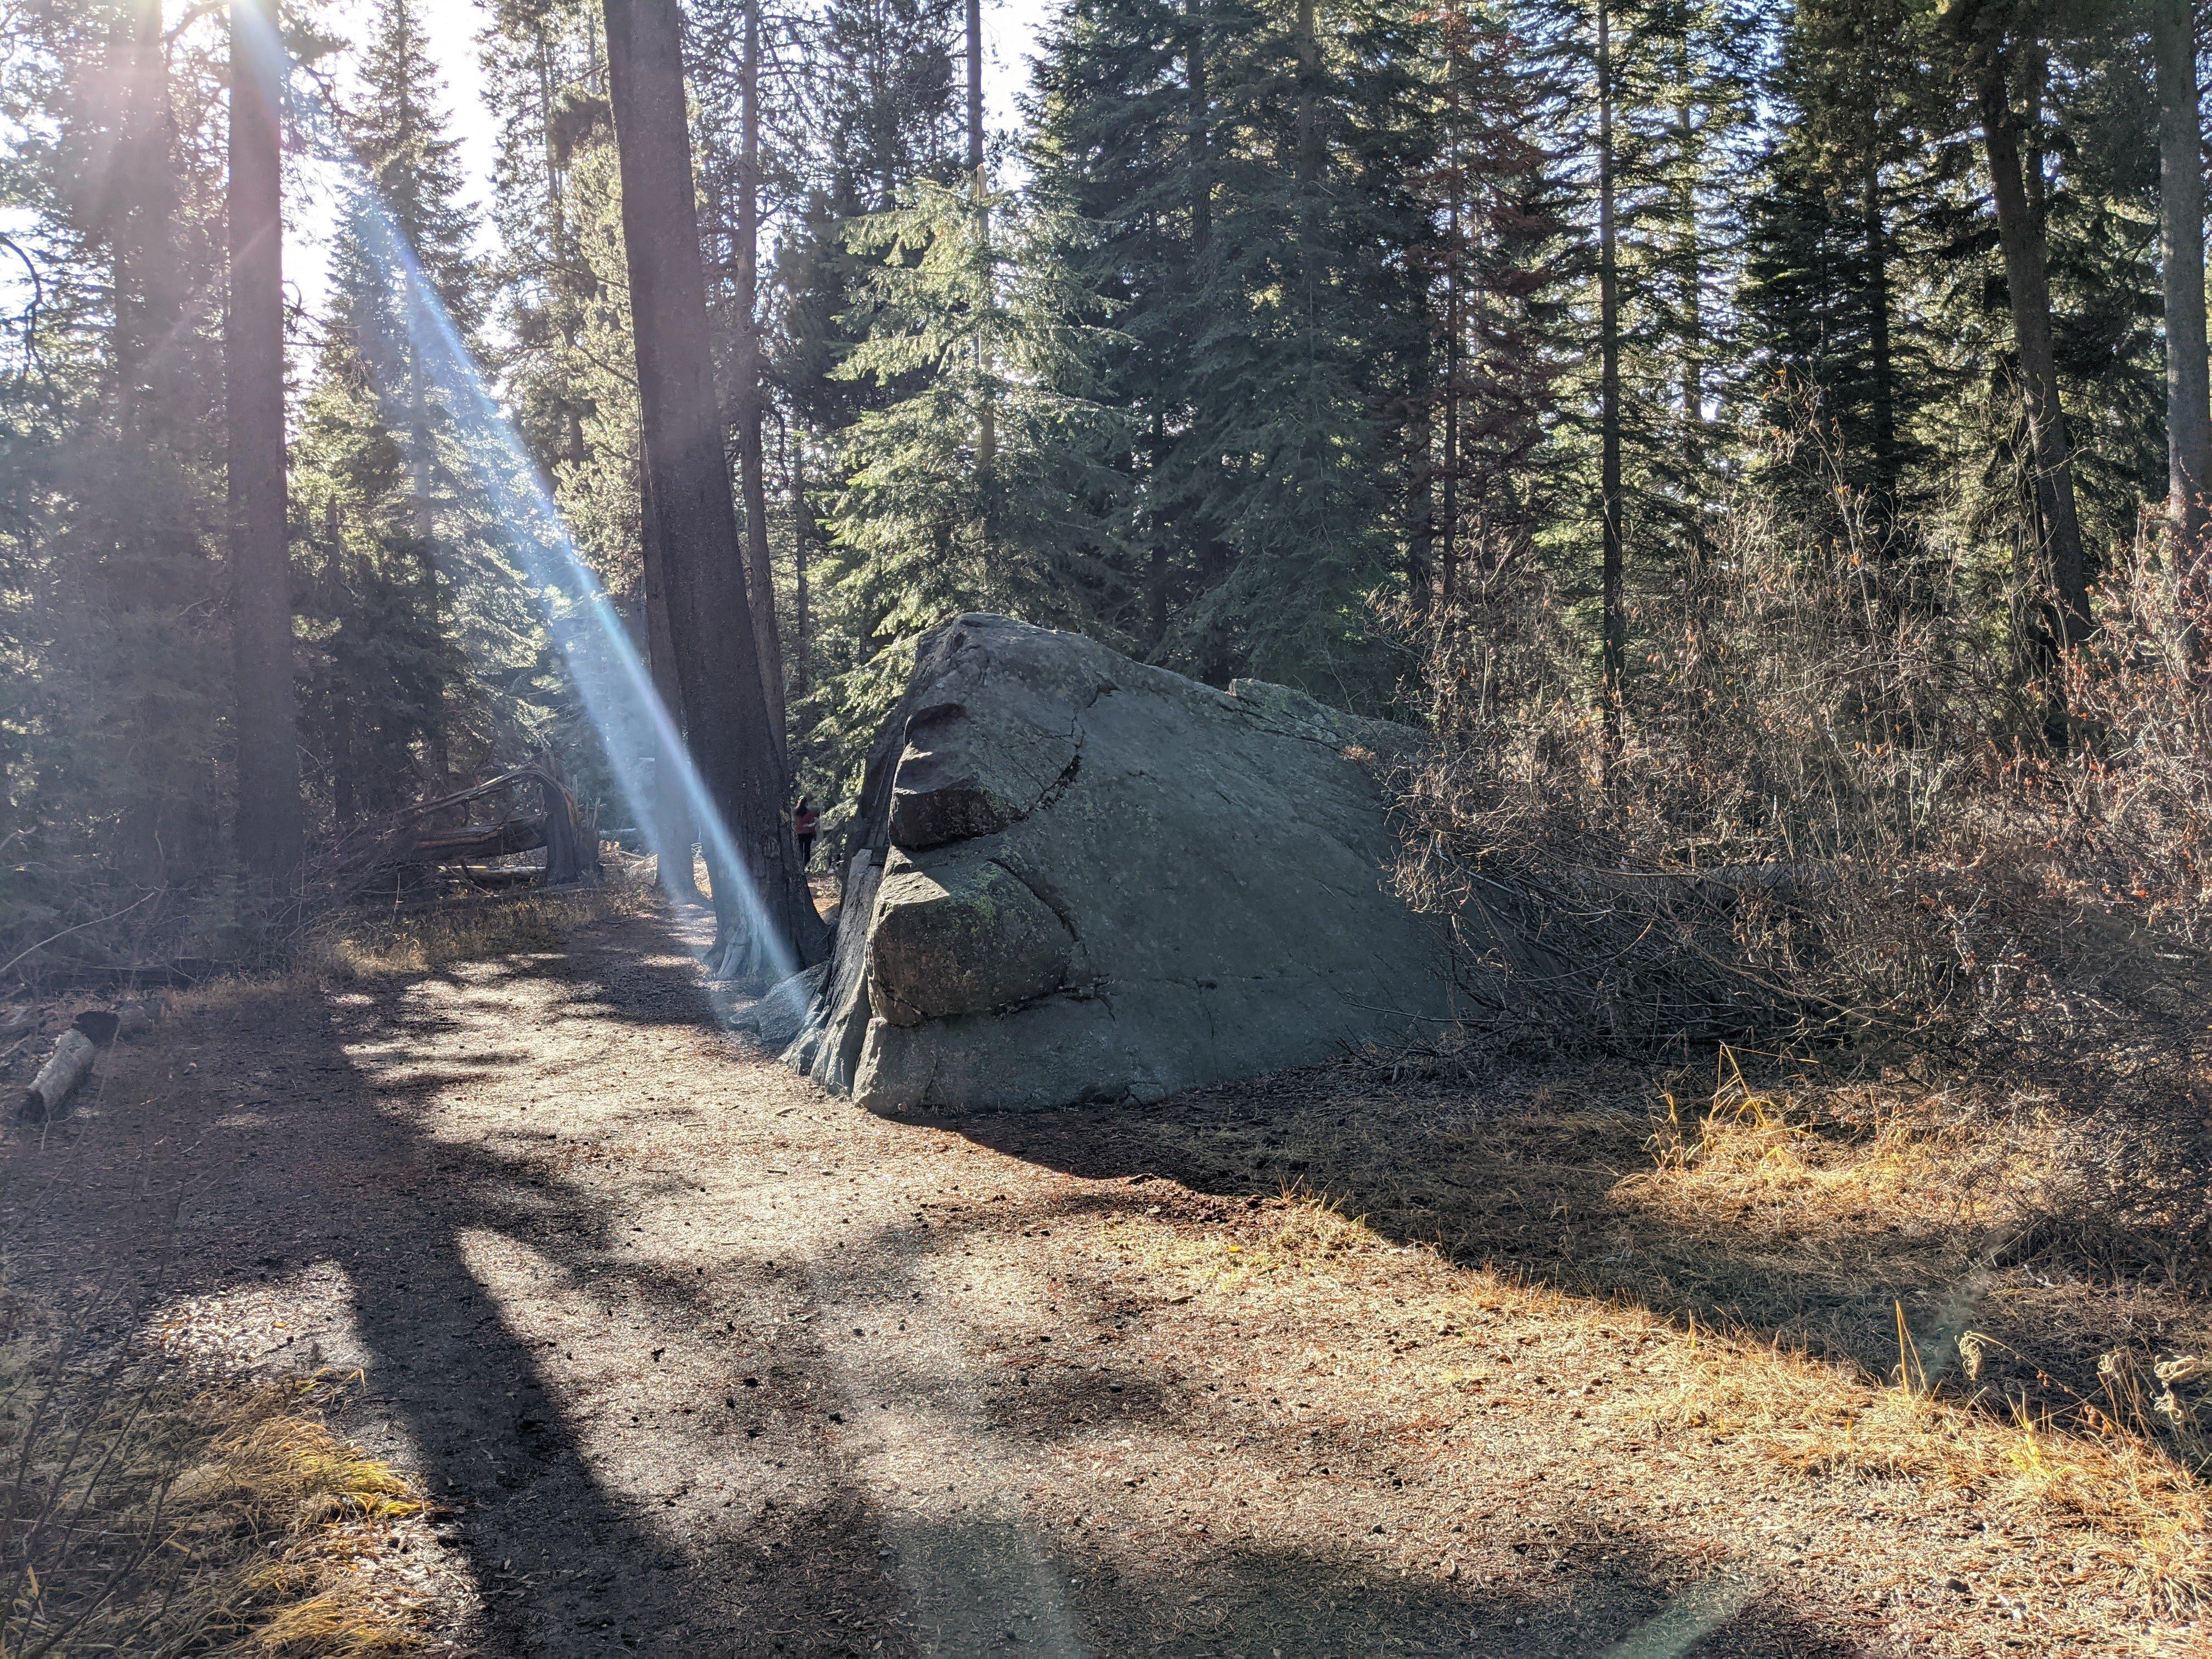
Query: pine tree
{"type": "Point", "coordinates": [1831, 262]}
{"type": "Point", "coordinates": [1257, 174]}
{"type": "Point", "coordinates": [977, 320]}
{"type": "Point", "coordinates": [387, 497]}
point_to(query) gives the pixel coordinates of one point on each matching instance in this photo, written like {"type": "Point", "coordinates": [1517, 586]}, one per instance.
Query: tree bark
{"type": "Point", "coordinates": [144, 202]}
{"type": "Point", "coordinates": [802, 548]}
{"type": "Point", "coordinates": [1455, 261]}
{"type": "Point", "coordinates": [1197, 172]}
{"type": "Point", "coordinates": [1309, 156]}
{"type": "Point", "coordinates": [675, 837]}
{"type": "Point", "coordinates": [1693, 331]}
{"type": "Point", "coordinates": [730, 735]}
{"type": "Point", "coordinates": [2181, 237]}
{"type": "Point", "coordinates": [1613, 620]}
{"type": "Point", "coordinates": [267, 832]}
{"type": "Point", "coordinates": [760, 574]}
{"type": "Point", "coordinates": [2028, 283]}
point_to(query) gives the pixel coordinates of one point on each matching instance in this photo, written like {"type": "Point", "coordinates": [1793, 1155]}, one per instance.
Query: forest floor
{"type": "Point", "coordinates": [693, 1359]}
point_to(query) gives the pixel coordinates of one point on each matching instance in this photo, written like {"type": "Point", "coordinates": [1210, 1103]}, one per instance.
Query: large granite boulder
{"type": "Point", "coordinates": [1086, 880]}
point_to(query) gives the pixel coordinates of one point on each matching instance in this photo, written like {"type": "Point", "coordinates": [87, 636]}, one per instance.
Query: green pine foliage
{"type": "Point", "coordinates": [983, 479]}
{"type": "Point", "coordinates": [1282, 321]}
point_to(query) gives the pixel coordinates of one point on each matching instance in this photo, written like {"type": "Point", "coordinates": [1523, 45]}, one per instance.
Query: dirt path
{"type": "Point", "coordinates": [703, 1361]}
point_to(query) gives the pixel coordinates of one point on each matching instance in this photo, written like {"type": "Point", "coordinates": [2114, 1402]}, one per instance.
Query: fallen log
{"type": "Point", "coordinates": [474, 842]}
{"type": "Point", "coordinates": [65, 1068]}
{"type": "Point", "coordinates": [373, 855]}
{"type": "Point", "coordinates": [571, 846]}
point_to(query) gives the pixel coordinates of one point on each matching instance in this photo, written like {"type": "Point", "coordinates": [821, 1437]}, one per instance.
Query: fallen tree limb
{"type": "Point", "coordinates": [375, 854]}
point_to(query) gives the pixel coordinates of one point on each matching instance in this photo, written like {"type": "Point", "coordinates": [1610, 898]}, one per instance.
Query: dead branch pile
{"type": "Point", "coordinates": [377, 855]}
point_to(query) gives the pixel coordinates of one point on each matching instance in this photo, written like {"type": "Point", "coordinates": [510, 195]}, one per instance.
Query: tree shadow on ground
{"type": "Point", "coordinates": [593, 1509]}
{"type": "Point", "coordinates": [1550, 1174]}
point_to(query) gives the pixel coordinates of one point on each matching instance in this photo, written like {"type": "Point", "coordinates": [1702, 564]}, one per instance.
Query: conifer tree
{"type": "Point", "coordinates": [383, 480]}
{"type": "Point", "coordinates": [978, 319]}
{"type": "Point", "coordinates": [1829, 265]}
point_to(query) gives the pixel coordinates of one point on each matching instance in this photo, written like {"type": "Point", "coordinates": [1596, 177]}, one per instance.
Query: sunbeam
{"type": "Point", "coordinates": [517, 505]}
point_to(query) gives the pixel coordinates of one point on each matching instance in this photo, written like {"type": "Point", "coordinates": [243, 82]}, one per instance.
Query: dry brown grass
{"type": "Point", "coordinates": [1921, 1285]}
{"type": "Point", "coordinates": [361, 945]}
{"type": "Point", "coordinates": [2122, 1496]}
{"type": "Point", "coordinates": [150, 1515]}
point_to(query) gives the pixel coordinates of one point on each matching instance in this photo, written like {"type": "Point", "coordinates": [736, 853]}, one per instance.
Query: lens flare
{"type": "Point", "coordinates": [523, 523]}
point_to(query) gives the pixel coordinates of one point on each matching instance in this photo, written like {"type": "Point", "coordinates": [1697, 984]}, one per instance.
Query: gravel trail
{"type": "Point", "coordinates": [701, 1361]}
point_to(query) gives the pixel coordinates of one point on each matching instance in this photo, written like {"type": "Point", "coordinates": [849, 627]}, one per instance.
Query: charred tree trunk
{"type": "Point", "coordinates": [268, 831]}
{"type": "Point", "coordinates": [731, 736]}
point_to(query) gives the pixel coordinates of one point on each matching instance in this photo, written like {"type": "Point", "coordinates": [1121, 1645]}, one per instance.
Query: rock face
{"type": "Point", "coordinates": [1087, 879]}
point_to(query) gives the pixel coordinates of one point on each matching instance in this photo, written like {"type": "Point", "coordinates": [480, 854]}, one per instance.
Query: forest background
{"type": "Point", "coordinates": [1505, 365]}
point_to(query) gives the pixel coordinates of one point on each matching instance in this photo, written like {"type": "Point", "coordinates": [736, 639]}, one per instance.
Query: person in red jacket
{"type": "Point", "coordinates": [802, 825]}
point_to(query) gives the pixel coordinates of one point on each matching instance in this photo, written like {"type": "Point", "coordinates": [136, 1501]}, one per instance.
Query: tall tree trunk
{"type": "Point", "coordinates": [802, 548]}
{"type": "Point", "coordinates": [143, 207]}
{"type": "Point", "coordinates": [1692, 365]}
{"type": "Point", "coordinates": [760, 574]}
{"type": "Point", "coordinates": [1213, 556]}
{"type": "Point", "coordinates": [2028, 283]}
{"type": "Point", "coordinates": [1455, 276]}
{"type": "Point", "coordinates": [675, 837]}
{"type": "Point", "coordinates": [2181, 238]}
{"type": "Point", "coordinates": [1614, 619]}
{"type": "Point", "coordinates": [1156, 557]}
{"type": "Point", "coordinates": [1198, 167]}
{"type": "Point", "coordinates": [729, 731]}
{"type": "Point", "coordinates": [1308, 138]}
{"type": "Point", "coordinates": [1421, 487]}
{"type": "Point", "coordinates": [986, 432]}
{"type": "Point", "coordinates": [1881, 355]}
{"type": "Point", "coordinates": [266, 724]}
{"type": "Point", "coordinates": [425, 531]}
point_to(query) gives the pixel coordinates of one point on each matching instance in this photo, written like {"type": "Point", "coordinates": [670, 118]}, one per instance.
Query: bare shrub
{"type": "Point", "coordinates": [1822, 807]}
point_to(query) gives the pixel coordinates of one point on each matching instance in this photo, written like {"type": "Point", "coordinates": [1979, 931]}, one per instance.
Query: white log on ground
{"type": "Point", "coordinates": [66, 1068]}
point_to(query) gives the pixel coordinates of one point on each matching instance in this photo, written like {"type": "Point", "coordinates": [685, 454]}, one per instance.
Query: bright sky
{"type": "Point", "coordinates": [1011, 29]}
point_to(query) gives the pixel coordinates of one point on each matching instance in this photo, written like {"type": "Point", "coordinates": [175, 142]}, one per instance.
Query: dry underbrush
{"type": "Point", "coordinates": [145, 1512]}
{"type": "Point", "coordinates": [365, 943]}
{"type": "Point", "coordinates": [1826, 805]}
{"type": "Point", "coordinates": [1945, 892]}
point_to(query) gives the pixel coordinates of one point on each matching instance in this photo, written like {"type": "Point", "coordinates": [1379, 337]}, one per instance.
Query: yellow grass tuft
{"type": "Point", "coordinates": [157, 1519]}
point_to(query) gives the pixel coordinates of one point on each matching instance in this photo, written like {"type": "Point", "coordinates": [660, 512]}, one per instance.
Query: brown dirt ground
{"type": "Point", "coordinates": [699, 1360]}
